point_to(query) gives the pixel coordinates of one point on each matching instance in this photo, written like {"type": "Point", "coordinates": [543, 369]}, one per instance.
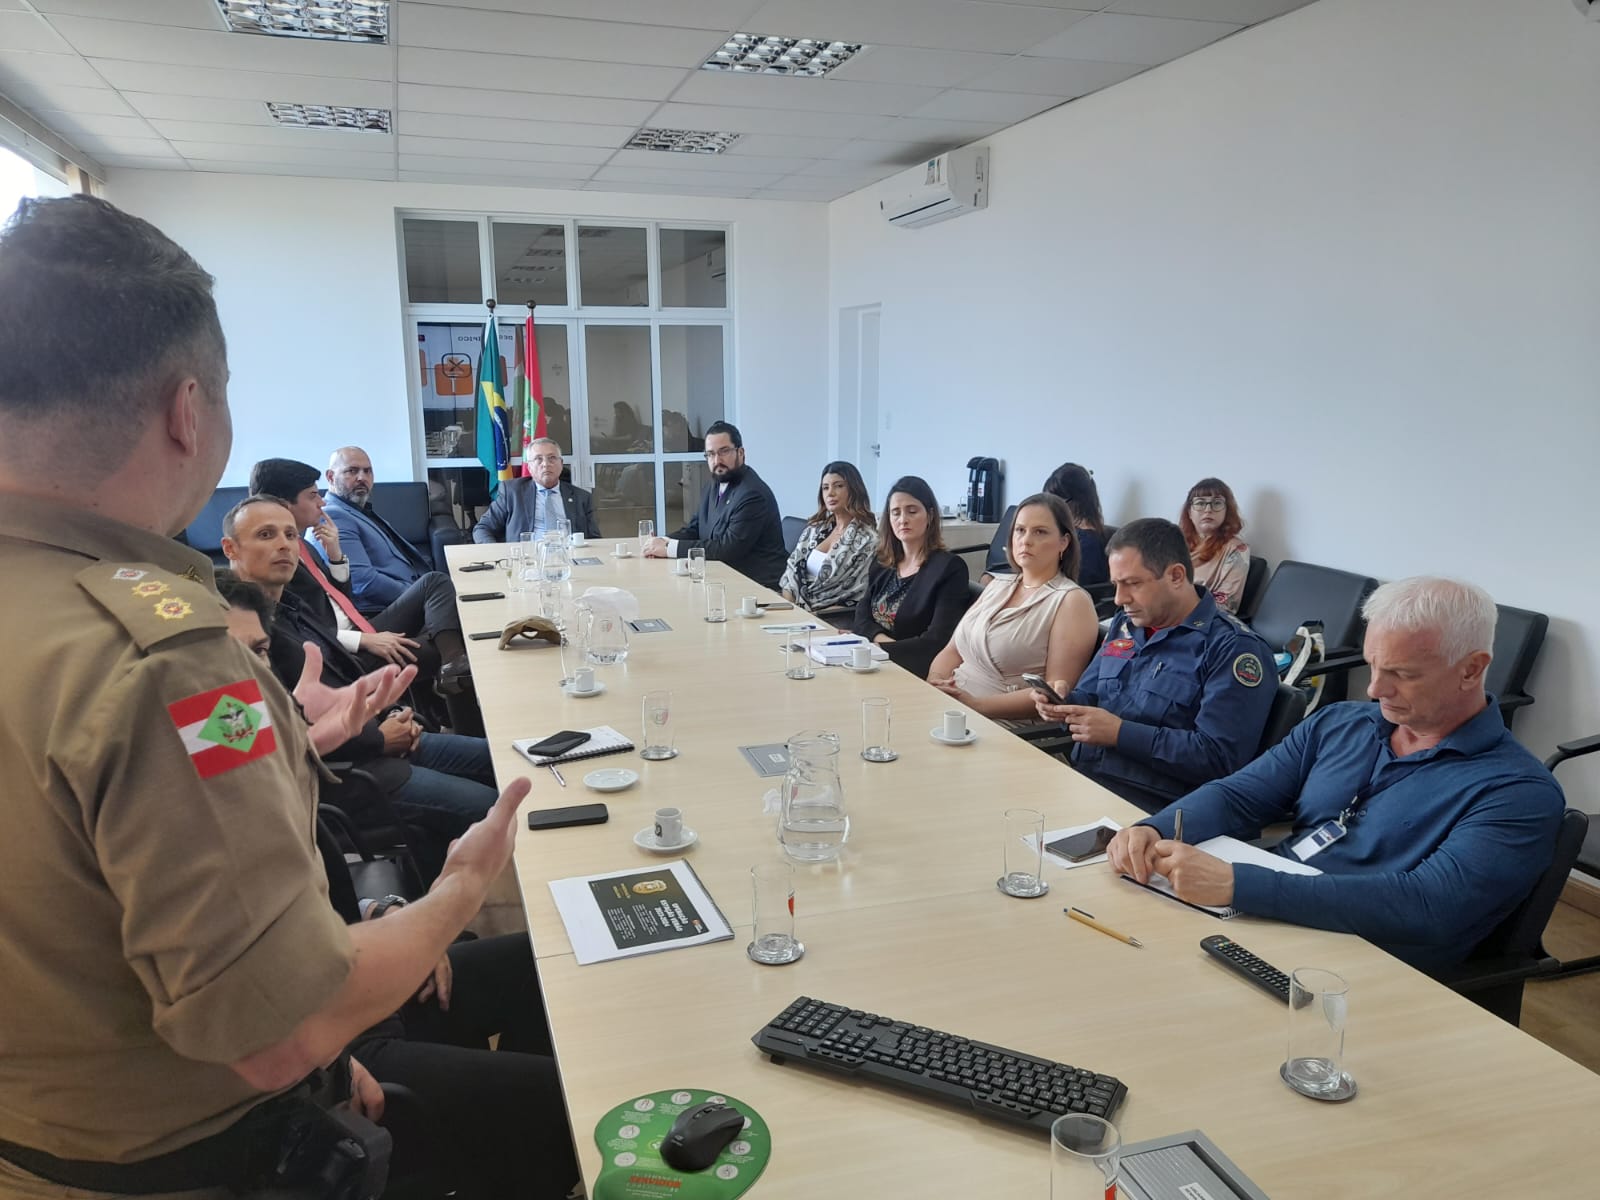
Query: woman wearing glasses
{"type": "Point", "coordinates": [828, 568]}
{"type": "Point", "coordinates": [1211, 523]}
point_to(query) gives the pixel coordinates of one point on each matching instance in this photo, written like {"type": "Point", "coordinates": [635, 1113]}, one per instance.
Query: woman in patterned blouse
{"type": "Point", "coordinates": [828, 567]}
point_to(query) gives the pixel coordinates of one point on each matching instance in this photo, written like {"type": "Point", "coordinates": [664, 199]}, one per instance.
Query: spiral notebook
{"type": "Point", "coordinates": [602, 740]}
{"type": "Point", "coordinates": [1230, 850]}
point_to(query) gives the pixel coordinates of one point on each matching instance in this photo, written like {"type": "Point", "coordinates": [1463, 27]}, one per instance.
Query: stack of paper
{"type": "Point", "coordinates": [1230, 850]}
{"type": "Point", "coordinates": [835, 650]}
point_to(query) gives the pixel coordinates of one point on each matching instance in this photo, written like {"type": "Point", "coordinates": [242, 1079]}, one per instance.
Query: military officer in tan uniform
{"type": "Point", "coordinates": [169, 961]}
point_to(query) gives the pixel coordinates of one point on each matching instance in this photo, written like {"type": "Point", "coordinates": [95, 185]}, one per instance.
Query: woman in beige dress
{"type": "Point", "coordinates": [1211, 523]}
{"type": "Point", "coordinates": [1037, 621]}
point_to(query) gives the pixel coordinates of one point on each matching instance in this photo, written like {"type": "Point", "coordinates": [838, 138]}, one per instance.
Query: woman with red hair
{"type": "Point", "coordinates": [1211, 523]}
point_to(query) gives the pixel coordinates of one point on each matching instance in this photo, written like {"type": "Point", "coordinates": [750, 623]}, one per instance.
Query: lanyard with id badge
{"type": "Point", "coordinates": [1329, 832]}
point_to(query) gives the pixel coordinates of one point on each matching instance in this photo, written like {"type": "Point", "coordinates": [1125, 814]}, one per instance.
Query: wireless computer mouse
{"type": "Point", "coordinates": [699, 1134]}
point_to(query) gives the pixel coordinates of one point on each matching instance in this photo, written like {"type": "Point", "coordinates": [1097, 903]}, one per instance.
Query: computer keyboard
{"type": "Point", "coordinates": [991, 1080]}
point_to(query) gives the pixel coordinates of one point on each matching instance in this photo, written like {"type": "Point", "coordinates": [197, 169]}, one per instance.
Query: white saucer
{"type": "Point", "coordinates": [755, 616]}
{"type": "Point", "coordinates": [867, 670]}
{"type": "Point", "coordinates": [938, 736]}
{"type": "Point", "coordinates": [645, 839]}
{"type": "Point", "coordinates": [614, 554]}
{"type": "Point", "coordinates": [577, 695]}
{"type": "Point", "coordinates": [611, 779]}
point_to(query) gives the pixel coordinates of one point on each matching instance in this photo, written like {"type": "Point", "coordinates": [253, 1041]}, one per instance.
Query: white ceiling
{"type": "Point", "coordinates": [546, 92]}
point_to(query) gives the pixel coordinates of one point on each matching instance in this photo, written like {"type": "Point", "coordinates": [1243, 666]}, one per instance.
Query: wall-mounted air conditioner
{"type": "Point", "coordinates": [941, 188]}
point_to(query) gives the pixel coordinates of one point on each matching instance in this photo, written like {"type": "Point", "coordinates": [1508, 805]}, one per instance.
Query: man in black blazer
{"type": "Point", "coordinates": [737, 521]}
{"type": "Point", "coordinates": [523, 505]}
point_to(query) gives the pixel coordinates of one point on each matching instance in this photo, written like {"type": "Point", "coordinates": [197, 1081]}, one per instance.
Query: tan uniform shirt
{"type": "Point", "coordinates": [163, 910]}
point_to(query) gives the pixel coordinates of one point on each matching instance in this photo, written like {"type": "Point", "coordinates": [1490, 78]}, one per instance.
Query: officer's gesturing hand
{"type": "Point", "coordinates": [1132, 852]}
{"type": "Point", "coordinates": [483, 851]}
{"type": "Point", "coordinates": [366, 1095]}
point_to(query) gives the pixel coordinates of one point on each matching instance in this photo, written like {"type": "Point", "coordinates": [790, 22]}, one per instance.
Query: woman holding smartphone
{"type": "Point", "coordinates": [1035, 622]}
{"type": "Point", "coordinates": [916, 589]}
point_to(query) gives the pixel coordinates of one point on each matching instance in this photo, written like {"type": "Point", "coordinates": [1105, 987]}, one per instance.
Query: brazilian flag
{"type": "Point", "coordinates": [494, 418]}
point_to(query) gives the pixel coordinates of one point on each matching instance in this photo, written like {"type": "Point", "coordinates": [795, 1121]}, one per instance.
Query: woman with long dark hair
{"type": "Point", "coordinates": [1075, 485]}
{"type": "Point", "coordinates": [916, 589]}
{"type": "Point", "coordinates": [828, 566]}
{"type": "Point", "coordinates": [1211, 523]}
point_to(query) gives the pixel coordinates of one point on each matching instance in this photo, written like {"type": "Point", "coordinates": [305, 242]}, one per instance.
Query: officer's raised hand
{"type": "Point", "coordinates": [483, 851]}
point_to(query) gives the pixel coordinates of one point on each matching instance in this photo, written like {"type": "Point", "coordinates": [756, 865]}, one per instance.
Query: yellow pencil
{"type": "Point", "coordinates": [1083, 918]}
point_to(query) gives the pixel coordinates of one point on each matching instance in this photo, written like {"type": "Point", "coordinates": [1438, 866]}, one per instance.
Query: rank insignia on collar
{"type": "Point", "coordinates": [175, 609]}
{"type": "Point", "coordinates": [150, 587]}
{"type": "Point", "coordinates": [128, 574]}
{"type": "Point", "coordinates": [192, 574]}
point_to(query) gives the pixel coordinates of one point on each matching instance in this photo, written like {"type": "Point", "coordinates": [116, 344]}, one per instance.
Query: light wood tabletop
{"type": "Point", "coordinates": [1453, 1102]}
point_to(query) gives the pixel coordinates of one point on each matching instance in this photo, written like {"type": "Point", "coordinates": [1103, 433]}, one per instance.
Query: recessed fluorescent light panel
{"type": "Point", "coordinates": [329, 116]}
{"type": "Point", "coordinates": [682, 141]}
{"type": "Point", "coordinates": [335, 20]}
{"type": "Point", "coordinates": [761, 54]}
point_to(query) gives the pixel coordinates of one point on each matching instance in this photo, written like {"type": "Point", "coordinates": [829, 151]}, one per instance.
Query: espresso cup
{"type": "Point", "coordinates": [955, 724]}
{"type": "Point", "coordinates": [669, 826]}
{"type": "Point", "coordinates": [749, 607]}
{"type": "Point", "coordinates": [577, 539]}
{"type": "Point", "coordinates": [623, 550]}
{"type": "Point", "coordinates": [861, 657]}
{"type": "Point", "coordinates": [583, 679]}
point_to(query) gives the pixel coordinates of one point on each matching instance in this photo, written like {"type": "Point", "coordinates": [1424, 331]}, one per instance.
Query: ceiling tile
{"type": "Point", "coordinates": [667, 189]}
{"type": "Point", "coordinates": [870, 151]}
{"type": "Point", "coordinates": [325, 156]}
{"type": "Point", "coordinates": [678, 178]}
{"type": "Point", "coordinates": [310, 170]}
{"type": "Point", "coordinates": [515, 151]}
{"type": "Point", "coordinates": [763, 120]}
{"type": "Point", "coordinates": [98, 124]}
{"type": "Point", "coordinates": [274, 135]}
{"type": "Point", "coordinates": [46, 70]}
{"type": "Point", "coordinates": [1006, 107]}
{"type": "Point", "coordinates": [476, 179]}
{"type": "Point", "coordinates": [133, 162]}
{"type": "Point", "coordinates": [591, 110]}
{"type": "Point", "coordinates": [192, 14]}
{"type": "Point", "coordinates": [707, 164]}
{"type": "Point", "coordinates": [236, 85]}
{"type": "Point", "coordinates": [1242, 12]}
{"type": "Point", "coordinates": [214, 48]}
{"type": "Point", "coordinates": [1118, 38]}
{"type": "Point", "coordinates": [199, 108]}
{"type": "Point", "coordinates": [35, 96]}
{"type": "Point", "coordinates": [779, 145]}
{"type": "Point", "coordinates": [1054, 77]}
{"type": "Point", "coordinates": [688, 14]}
{"type": "Point", "coordinates": [505, 129]}
{"type": "Point", "coordinates": [810, 95]}
{"type": "Point", "coordinates": [921, 129]}
{"type": "Point", "coordinates": [933, 24]}
{"type": "Point", "coordinates": [508, 168]}
{"type": "Point", "coordinates": [524, 73]}
{"type": "Point", "coordinates": [906, 64]}
{"type": "Point", "coordinates": [554, 37]}
{"type": "Point", "coordinates": [29, 31]}
{"type": "Point", "coordinates": [139, 147]}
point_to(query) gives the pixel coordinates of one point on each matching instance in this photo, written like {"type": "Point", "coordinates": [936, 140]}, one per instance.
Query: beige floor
{"type": "Point", "coordinates": [1564, 1014]}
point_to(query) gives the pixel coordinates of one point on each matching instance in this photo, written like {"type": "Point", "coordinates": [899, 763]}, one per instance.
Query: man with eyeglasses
{"type": "Point", "coordinates": [534, 503]}
{"type": "Point", "coordinates": [1180, 691]}
{"type": "Point", "coordinates": [737, 521]}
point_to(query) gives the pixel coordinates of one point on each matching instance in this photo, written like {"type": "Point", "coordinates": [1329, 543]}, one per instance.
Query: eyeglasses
{"type": "Point", "coordinates": [540, 459]}
{"type": "Point", "coordinates": [721, 452]}
{"type": "Point", "coordinates": [1208, 504]}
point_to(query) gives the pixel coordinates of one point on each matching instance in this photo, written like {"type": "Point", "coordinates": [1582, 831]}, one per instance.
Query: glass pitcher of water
{"type": "Point", "coordinates": [812, 821]}
{"type": "Point", "coordinates": [606, 637]}
{"type": "Point", "coordinates": [555, 561]}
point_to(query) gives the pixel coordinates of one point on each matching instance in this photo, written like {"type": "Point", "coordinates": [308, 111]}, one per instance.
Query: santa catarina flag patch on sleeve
{"type": "Point", "coordinates": [225, 727]}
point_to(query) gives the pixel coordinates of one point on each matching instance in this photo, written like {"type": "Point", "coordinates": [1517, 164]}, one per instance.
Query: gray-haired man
{"type": "Point", "coordinates": [533, 503]}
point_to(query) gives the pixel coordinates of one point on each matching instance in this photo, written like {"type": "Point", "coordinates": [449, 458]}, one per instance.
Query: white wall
{"type": "Point", "coordinates": [1348, 261]}
{"type": "Point", "coordinates": [310, 291]}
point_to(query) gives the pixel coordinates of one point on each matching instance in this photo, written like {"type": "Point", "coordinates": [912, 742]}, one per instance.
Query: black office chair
{"type": "Point", "coordinates": [995, 561]}
{"type": "Point", "coordinates": [1493, 975]}
{"type": "Point", "coordinates": [204, 533]}
{"type": "Point", "coordinates": [1299, 592]}
{"type": "Point", "coordinates": [1588, 860]}
{"type": "Point", "coordinates": [1288, 710]}
{"type": "Point", "coordinates": [1254, 579]}
{"type": "Point", "coordinates": [1518, 637]}
{"type": "Point", "coordinates": [793, 527]}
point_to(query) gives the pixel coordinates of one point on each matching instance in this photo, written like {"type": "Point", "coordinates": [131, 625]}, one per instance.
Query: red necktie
{"type": "Point", "coordinates": [344, 602]}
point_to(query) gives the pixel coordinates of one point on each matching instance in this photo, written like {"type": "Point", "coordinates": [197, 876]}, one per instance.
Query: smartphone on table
{"type": "Point", "coordinates": [1076, 847]}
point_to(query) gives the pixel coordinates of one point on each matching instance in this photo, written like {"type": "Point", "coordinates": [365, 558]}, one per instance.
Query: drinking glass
{"type": "Point", "coordinates": [647, 530]}
{"type": "Point", "coordinates": [797, 655]}
{"type": "Point", "coordinates": [658, 727]}
{"type": "Point", "coordinates": [1318, 1003]}
{"type": "Point", "coordinates": [1085, 1155]}
{"type": "Point", "coordinates": [772, 940]}
{"type": "Point", "coordinates": [875, 730]}
{"type": "Point", "coordinates": [1024, 855]}
{"type": "Point", "coordinates": [716, 602]}
{"type": "Point", "coordinates": [528, 543]}
{"type": "Point", "coordinates": [697, 564]}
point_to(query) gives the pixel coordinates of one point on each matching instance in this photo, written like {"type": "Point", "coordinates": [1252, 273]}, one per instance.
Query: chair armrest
{"type": "Point", "coordinates": [1574, 749]}
{"type": "Point", "coordinates": [1470, 977]}
{"type": "Point", "coordinates": [1515, 700]}
{"type": "Point", "coordinates": [1339, 660]}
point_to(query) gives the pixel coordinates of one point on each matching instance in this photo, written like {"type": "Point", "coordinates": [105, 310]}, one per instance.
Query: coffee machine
{"type": "Point", "coordinates": [983, 489]}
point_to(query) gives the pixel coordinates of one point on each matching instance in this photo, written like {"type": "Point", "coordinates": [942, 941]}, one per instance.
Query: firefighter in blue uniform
{"type": "Point", "coordinates": [1180, 691]}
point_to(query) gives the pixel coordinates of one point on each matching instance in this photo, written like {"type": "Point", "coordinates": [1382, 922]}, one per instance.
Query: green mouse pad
{"type": "Point", "coordinates": [630, 1137]}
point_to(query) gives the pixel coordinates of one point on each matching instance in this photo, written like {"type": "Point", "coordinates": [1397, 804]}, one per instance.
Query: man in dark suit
{"type": "Point", "coordinates": [737, 521]}
{"type": "Point", "coordinates": [528, 505]}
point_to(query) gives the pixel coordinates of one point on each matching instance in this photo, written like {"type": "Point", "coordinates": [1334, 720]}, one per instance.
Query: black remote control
{"type": "Point", "coordinates": [1257, 970]}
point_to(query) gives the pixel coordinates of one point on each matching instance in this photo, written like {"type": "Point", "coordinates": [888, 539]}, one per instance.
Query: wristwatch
{"type": "Point", "coordinates": [377, 908]}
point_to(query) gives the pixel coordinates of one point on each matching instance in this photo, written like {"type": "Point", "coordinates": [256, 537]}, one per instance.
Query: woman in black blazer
{"type": "Point", "coordinates": [916, 589]}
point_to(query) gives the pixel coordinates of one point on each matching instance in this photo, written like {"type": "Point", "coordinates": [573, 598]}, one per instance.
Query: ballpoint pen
{"type": "Point", "coordinates": [557, 774]}
{"type": "Point", "coordinates": [1083, 918]}
{"type": "Point", "coordinates": [1177, 826]}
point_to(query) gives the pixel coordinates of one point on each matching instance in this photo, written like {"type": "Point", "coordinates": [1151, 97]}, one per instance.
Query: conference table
{"type": "Point", "coordinates": [909, 923]}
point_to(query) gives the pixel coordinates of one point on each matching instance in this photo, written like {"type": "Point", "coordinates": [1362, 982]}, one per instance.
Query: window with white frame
{"type": "Point", "coordinates": [633, 329]}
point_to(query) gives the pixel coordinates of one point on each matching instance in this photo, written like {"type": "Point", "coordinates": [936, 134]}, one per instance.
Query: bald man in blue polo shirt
{"type": "Point", "coordinates": [1428, 822]}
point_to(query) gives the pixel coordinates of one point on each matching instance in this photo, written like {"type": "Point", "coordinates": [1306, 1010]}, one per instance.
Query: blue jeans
{"type": "Point", "coordinates": [450, 775]}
